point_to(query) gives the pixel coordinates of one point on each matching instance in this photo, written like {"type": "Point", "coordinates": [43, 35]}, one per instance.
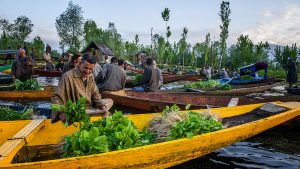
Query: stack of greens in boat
{"type": "Point", "coordinates": [7, 114]}
{"type": "Point", "coordinates": [207, 84]}
{"type": "Point", "coordinates": [246, 77]}
{"type": "Point", "coordinates": [30, 84]}
{"type": "Point", "coordinates": [137, 79]}
{"type": "Point", "coordinates": [117, 132]}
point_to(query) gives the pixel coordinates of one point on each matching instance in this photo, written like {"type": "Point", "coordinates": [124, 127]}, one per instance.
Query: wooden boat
{"type": "Point", "coordinates": [139, 71]}
{"type": "Point", "coordinates": [5, 68]}
{"type": "Point", "coordinates": [6, 79]}
{"type": "Point", "coordinates": [47, 73]}
{"type": "Point", "coordinates": [252, 81]}
{"type": "Point", "coordinates": [156, 102]}
{"type": "Point", "coordinates": [294, 91]}
{"type": "Point", "coordinates": [28, 94]}
{"type": "Point", "coordinates": [236, 91]}
{"type": "Point", "coordinates": [42, 135]}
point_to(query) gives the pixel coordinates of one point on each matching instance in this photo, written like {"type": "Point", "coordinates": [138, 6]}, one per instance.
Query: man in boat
{"type": "Point", "coordinates": [76, 83]}
{"type": "Point", "coordinates": [292, 72]}
{"type": "Point", "coordinates": [159, 74]}
{"type": "Point", "coordinates": [75, 60]}
{"type": "Point", "coordinates": [149, 82]}
{"type": "Point", "coordinates": [22, 67]}
{"type": "Point", "coordinates": [112, 77]}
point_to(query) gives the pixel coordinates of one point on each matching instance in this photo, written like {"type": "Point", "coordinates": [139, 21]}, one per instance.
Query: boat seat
{"type": "Point", "coordinates": [11, 147]}
{"type": "Point", "coordinates": [233, 102]}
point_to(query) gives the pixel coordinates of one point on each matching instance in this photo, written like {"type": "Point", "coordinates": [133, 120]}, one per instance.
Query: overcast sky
{"type": "Point", "coordinates": [276, 21]}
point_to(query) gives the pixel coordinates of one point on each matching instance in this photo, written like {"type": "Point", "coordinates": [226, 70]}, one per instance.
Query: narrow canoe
{"type": "Point", "coordinates": [238, 91]}
{"type": "Point", "coordinates": [47, 73]}
{"type": "Point", "coordinates": [156, 102]}
{"type": "Point", "coordinates": [160, 155]}
{"type": "Point", "coordinates": [294, 91]}
{"type": "Point", "coordinates": [36, 95]}
{"type": "Point", "coordinates": [252, 81]}
{"type": "Point", "coordinates": [6, 79]}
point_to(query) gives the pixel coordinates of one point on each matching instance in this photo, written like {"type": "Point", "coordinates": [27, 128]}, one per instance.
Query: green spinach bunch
{"type": "Point", "coordinates": [246, 77]}
{"type": "Point", "coordinates": [137, 79]}
{"type": "Point", "coordinates": [225, 87]}
{"type": "Point", "coordinates": [114, 132]}
{"type": "Point", "coordinates": [30, 84]}
{"type": "Point", "coordinates": [202, 84]}
{"type": "Point", "coordinates": [193, 124]}
{"type": "Point", "coordinates": [75, 112]}
{"type": "Point", "coordinates": [7, 114]}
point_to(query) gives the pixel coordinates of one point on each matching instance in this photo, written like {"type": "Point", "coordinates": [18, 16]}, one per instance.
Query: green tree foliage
{"type": "Point", "coordinates": [245, 53]}
{"type": "Point", "coordinates": [183, 47]}
{"type": "Point", "coordinates": [224, 14]}
{"type": "Point", "coordinates": [90, 32]}
{"type": "Point", "coordinates": [39, 46]}
{"type": "Point", "coordinates": [22, 28]}
{"type": "Point", "coordinates": [166, 16]}
{"type": "Point", "coordinates": [69, 27]}
{"type": "Point", "coordinates": [281, 56]}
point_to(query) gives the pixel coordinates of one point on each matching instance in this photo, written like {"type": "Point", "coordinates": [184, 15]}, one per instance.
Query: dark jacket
{"type": "Point", "coordinates": [111, 78]}
{"type": "Point", "coordinates": [21, 69]}
{"type": "Point", "coordinates": [68, 66]}
{"type": "Point", "coordinates": [150, 79]}
{"type": "Point", "coordinates": [292, 72]}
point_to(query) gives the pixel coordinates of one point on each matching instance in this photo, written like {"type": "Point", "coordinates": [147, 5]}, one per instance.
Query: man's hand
{"type": "Point", "coordinates": [58, 115]}
{"type": "Point", "coordinates": [14, 78]}
{"type": "Point", "coordinates": [107, 113]}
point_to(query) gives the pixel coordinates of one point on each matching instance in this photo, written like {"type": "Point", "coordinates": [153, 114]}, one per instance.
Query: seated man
{"type": "Point", "coordinates": [22, 67]}
{"type": "Point", "coordinates": [112, 77]}
{"type": "Point", "coordinates": [76, 83]}
{"type": "Point", "coordinates": [75, 60]}
{"type": "Point", "coordinates": [149, 82]}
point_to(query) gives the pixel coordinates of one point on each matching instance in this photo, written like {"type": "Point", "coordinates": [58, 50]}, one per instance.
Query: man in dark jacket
{"type": "Point", "coordinates": [112, 77]}
{"type": "Point", "coordinates": [292, 72]}
{"type": "Point", "coordinates": [150, 78]}
{"type": "Point", "coordinates": [22, 67]}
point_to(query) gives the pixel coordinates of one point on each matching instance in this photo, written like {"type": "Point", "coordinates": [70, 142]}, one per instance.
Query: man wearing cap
{"type": "Point", "coordinates": [22, 67]}
{"type": "Point", "coordinates": [76, 83]}
{"type": "Point", "coordinates": [150, 79]}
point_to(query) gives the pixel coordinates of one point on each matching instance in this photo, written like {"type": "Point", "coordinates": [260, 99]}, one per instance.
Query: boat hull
{"type": "Point", "coordinates": [160, 155]}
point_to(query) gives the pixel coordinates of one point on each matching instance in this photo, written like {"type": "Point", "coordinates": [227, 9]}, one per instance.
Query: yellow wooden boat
{"type": "Point", "coordinates": [160, 155]}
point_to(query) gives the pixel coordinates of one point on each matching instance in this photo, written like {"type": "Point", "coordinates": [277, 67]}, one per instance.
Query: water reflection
{"type": "Point", "coordinates": [48, 81]}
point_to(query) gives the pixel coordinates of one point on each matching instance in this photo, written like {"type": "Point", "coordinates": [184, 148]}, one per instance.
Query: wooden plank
{"type": "Point", "coordinates": [10, 148]}
{"type": "Point", "coordinates": [233, 102]}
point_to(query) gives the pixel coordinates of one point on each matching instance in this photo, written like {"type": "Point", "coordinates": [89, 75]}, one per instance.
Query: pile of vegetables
{"type": "Point", "coordinates": [117, 132]}
{"type": "Point", "coordinates": [225, 87]}
{"type": "Point", "coordinates": [174, 125]}
{"type": "Point", "coordinates": [246, 77]}
{"type": "Point", "coordinates": [30, 84]}
{"type": "Point", "coordinates": [7, 114]}
{"type": "Point", "coordinates": [75, 112]}
{"type": "Point", "coordinates": [114, 132]}
{"type": "Point", "coordinates": [202, 84]}
{"type": "Point", "coordinates": [137, 79]}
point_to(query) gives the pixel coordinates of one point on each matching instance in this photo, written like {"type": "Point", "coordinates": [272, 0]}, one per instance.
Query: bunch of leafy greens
{"type": "Point", "coordinates": [246, 77]}
{"type": "Point", "coordinates": [225, 87]}
{"type": "Point", "coordinates": [75, 112]}
{"type": "Point", "coordinates": [114, 132]}
{"type": "Point", "coordinates": [7, 114]}
{"type": "Point", "coordinates": [30, 84]}
{"type": "Point", "coordinates": [202, 84]}
{"type": "Point", "coordinates": [137, 79]}
{"type": "Point", "coordinates": [194, 124]}
{"type": "Point", "coordinates": [173, 124]}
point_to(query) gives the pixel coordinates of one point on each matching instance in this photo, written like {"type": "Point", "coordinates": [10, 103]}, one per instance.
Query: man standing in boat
{"type": "Point", "coordinates": [75, 60]}
{"type": "Point", "coordinates": [76, 83]}
{"type": "Point", "coordinates": [292, 72]}
{"type": "Point", "coordinates": [149, 82]}
{"type": "Point", "coordinates": [22, 67]}
{"type": "Point", "coordinates": [112, 77]}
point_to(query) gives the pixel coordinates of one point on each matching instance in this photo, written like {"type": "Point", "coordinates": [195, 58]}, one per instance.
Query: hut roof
{"type": "Point", "coordinates": [103, 48]}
